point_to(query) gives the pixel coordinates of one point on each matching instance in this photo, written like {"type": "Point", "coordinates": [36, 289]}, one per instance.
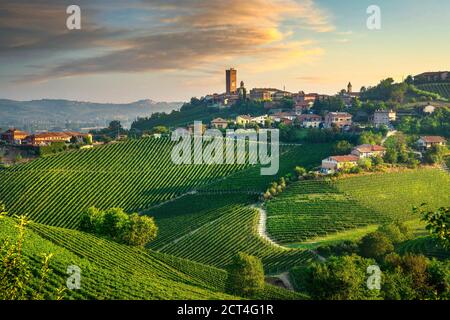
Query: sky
{"type": "Point", "coordinates": [171, 50]}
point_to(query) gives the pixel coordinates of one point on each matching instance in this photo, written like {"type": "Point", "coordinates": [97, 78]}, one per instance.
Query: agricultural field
{"type": "Point", "coordinates": [312, 209]}
{"type": "Point", "coordinates": [250, 179]}
{"type": "Point", "coordinates": [133, 175]}
{"type": "Point", "coordinates": [424, 245]}
{"type": "Point", "coordinates": [443, 89]}
{"type": "Point", "coordinates": [114, 271]}
{"type": "Point", "coordinates": [216, 232]}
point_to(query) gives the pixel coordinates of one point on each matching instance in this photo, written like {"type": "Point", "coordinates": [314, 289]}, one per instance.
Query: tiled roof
{"type": "Point", "coordinates": [433, 139]}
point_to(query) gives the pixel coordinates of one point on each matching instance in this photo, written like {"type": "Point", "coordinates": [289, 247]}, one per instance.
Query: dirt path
{"type": "Point", "coordinates": [262, 230]}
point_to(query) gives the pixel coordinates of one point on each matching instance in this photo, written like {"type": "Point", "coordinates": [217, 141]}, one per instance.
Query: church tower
{"type": "Point", "coordinates": [349, 88]}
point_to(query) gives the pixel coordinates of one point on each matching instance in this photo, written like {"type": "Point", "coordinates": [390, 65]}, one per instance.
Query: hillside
{"type": "Point", "coordinates": [113, 271]}
{"type": "Point", "coordinates": [47, 113]}
{"type": "Point", "coordinates": [443, 89]}
{"type": "Point", "coordinates": [133, 175]}
{"type": "Point", "coordinates": [310, 209]}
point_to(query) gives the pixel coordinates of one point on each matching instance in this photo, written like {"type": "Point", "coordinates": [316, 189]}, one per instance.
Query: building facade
{"type": "Point", "coordinates": [384, 117]}
{"type": "Point", "coordinates": [337, 119]}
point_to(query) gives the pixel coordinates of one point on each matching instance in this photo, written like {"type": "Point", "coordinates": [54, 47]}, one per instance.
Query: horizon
{"type": "Point", "coordinates": [168, 52]}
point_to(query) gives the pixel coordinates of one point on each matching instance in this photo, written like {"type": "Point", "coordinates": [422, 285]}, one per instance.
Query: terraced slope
{"type": "Point", "coordinates": [309, 209]}
{"type": "Point", "coordinates": [443, 89]}
{"type": "Point", "coordinates": [113, 271]}
{"type": "Point", "coordinates": [133, 175]}
{"type": "Point", "coordinates": [219, 231]}
{"type": "Point", "coordinates": [426, 246]}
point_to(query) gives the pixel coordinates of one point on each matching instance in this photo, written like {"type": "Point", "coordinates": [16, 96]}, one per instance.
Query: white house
{"type": "Point", "coordinates": [336, 163]}
{"type": "Point", "coordinates": [368, 151]}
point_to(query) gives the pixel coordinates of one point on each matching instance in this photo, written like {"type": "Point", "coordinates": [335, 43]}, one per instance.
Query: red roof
{"type": "Point", "coordinates": [433, 139]}
{"type": "Point", "coordinates": [348, 158]}
{"type": "Point", "coordinates": [369, 148]}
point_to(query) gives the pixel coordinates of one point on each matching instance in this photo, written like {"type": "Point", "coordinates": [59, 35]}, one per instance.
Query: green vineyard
{"type": "Point", "coordinates": [133, 175]}
{"type": "Point", "coordinates": [443, 89]}
{"type": "Point", "coordinates": [218, 230]}
{"type": "Point", "coordinates": [113, 271]}
{"type": "Point", "coordinates": [424, 245]}
{"type": "Point", "coordinates": [310, 209]}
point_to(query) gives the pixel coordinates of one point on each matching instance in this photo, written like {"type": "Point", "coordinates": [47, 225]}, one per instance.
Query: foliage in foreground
{"type": "Point", "coordinates": [245, 276]}
{"type": "Point", "coordinates": [15, 273]}
{"type": "Point", "coordinates": [409, 277]}
{"type": "Point", "coordinates": [438, 224]}
{"type": "Point", "coordinates": [119, 226]}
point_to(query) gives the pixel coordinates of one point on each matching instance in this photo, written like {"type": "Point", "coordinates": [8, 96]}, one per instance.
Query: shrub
{"type": "Point", "coordinates": [245, 275]}
{"type": "Point", "coordinates": [115, 224]}
{"type": "Point", "coordinates": [375, 245]}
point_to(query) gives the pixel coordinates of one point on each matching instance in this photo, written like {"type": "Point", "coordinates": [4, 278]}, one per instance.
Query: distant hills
{"type": "Point", "coordinates": [48, 113]}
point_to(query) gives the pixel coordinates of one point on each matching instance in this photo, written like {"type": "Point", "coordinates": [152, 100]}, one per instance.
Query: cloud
{"type": "Point", "coordinates": [180, 35]}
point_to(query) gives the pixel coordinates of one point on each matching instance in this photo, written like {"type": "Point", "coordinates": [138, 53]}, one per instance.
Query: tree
{"type": "Point", "coordinates": [300, 171]}
{"type": "Point", "coordinates": [245, 275]}
{"type": "Point", "coordinates": [342, 147]}
{"type": "Point", "coordinates": [396, 232]}
{"type": "Point", "coordinates": [375, 245]}
{"type": "Point", "coordinates": [117, 225]}
{"type": "Point", "coordinates": [435, 154]}
{"type": "Point", "coordinates": [438, 223]}
{"type": "Point", "coordinates": [160, 130]}
{"type": "Point", "coordinates": [143, 230]}
{"type": "Point", "coordinates": [339, 278]}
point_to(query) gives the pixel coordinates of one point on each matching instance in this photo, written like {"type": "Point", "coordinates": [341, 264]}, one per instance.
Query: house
{"type": "Point", "coordinates": [259, 94]}
{"type": "Point", "coordinates": [219, 123]}
{"type": "Point", "coordinates": [302, 107]}
{"type": "Point", "coordinates": [261, 120]}
{"type": "Point", "coordinates": [429, 109]}
{"type": "Point", "coordinates": [337, 163]}
{"type": "Point", "coordinates": [51, 137]}
{"type": "Point", "coordinates": [14, 136]}
{"type": "Point", "coordinates": [368, 151]}
{"type": "Point", "coordinates": [310, 120]}
{"type": "Point", "coordinates": [384, 117]}
{"type": "Point", "coordinates": [432, 77]}
{"type": "Point", "coordinates": [277, 117]}
{"type": "Point", "coordinates": [337, 119]}
{"type": "Point", "coordinates": [243, 120]}
{"type": "Point", "coordinates": [426, 142]}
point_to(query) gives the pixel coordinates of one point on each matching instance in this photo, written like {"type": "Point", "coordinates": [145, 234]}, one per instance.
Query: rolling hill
{"type": "Point", "coordinates": [310, 209]}
{"type": "Point", "coordinates": [443, 89]}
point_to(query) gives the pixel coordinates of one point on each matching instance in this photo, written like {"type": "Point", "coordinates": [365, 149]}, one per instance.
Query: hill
{"type": "Point", "coordinates": [443, 89]}
{"type": "Point", "coordinates": [133, 175]}
{"type": "Point", "coordinates": [310, 209]}
{"type": "Point", "coordinates": [44, 114]}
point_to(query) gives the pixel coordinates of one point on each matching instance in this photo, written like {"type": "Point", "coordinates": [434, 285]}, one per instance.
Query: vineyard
{"type": "Point", "coordinates": [443, 89]}
{"type": "Point", "coordinates": [310, 209]}
{"type": "Point", "coordinates": [214, 230]}
{"type": "Point", "coordinates": [424, 245]}
{"type": "Point", "coordinates": [133, 175]}
{"type": "Point", "coordinates": [113, 271]}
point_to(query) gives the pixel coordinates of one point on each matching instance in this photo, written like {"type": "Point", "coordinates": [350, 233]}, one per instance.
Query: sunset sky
{"type": "Point", "coordinates": [171, 50]}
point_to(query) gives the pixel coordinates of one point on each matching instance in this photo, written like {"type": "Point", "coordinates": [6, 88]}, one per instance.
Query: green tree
{"type": "Point", "coordinates": [396, 232]}
{"type": "Point", "coordinates": [142, 230]}
{"type": "Point", "coordinates": [339, 278]}
{"type": "Point", "coordinates": [342, 147]}
{"type": "Point", "coordinates": [160, 130]}
{"type": "Point", "coordinates": [438, 223]}
{"type": "Point", "coordinates": [245, 275]}
{"type": "Point", "coordinates": [375, 245]}
{"type": "Point", "coordinates": [435, 154]}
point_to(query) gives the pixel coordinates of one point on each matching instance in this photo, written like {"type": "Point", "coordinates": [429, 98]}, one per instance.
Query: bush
{"type": "Point", "coordinates": [245, 276]}
{"type": "Point", "coordinates": [375, 245]}
{"type": "Point", "coordinates": [396, 232]}
{"type": "Point", "coordinates": [115, 224]}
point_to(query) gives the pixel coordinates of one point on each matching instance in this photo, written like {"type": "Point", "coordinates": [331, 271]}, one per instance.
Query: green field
{"type": "Point", "coordinates": [114, 271]}
{"type": "Point", "coordinates": [443, 89]}
{"type": "Point", "coordinates": [311, 209]}
{"type": "Point", "coordinates": [215, 233]}
{"type": "Point", "coordinates": [133, 175]}
{"type": "Point", "coordinates": [424, 245]}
